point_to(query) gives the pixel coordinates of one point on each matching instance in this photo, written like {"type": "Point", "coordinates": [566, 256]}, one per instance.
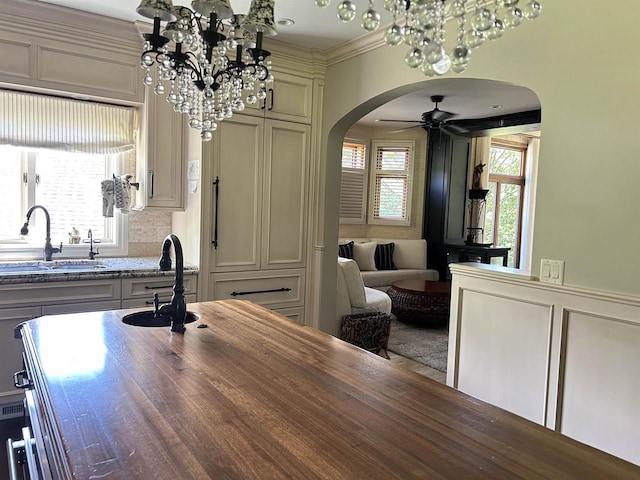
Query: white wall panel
{"type": "Point", "coordinates": [504, 352]}
{"type": "Point", "coordinates": [600, 400]}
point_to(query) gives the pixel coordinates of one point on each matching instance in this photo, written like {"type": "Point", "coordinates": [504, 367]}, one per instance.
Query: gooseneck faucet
{"type": "Point", "coordinates": [49, 250]}
{"type": "Point", "coordinates": [92, 254]}
{"type": "Point", "coordinates": [177, 308]}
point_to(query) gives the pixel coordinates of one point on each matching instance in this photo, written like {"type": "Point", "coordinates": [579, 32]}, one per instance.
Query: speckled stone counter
{"type": "Point", "coordinates": [80, 269]}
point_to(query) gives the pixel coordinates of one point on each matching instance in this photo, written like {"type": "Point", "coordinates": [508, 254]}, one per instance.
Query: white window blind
{"type": "Point", "coordinates": [39, 121]}
{"type": "Point", "coordinates": [353, 189]}
{"type": "Point", "coordinates": [391, 177]}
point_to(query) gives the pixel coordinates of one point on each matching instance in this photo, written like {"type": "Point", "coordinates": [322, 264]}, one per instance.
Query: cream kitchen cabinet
{"type": "Point", "coordinates": [289, 98]}
{"type": "Point", "coordinates": [138, 292]}
{"type": "Point", "coordinates": [23, 301]}
{"type": "Point", "coordinates": [160, 167]}
{"type": "Point", "coordinates": [258, 199]}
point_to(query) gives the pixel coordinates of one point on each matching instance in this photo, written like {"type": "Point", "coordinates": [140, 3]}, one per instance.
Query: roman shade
{"type": "Point", "coordinates": [38, 121]}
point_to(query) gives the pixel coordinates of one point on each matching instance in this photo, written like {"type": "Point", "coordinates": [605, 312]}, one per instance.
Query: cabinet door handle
{"type": "Point", "coordinates": [151, 181]}
{"type": "Point", "coordinates": [283, 289]}
{"type": "Point", "coordinates": [21, 379]}
{"type": "Point", "coordinates": [155, 287]}
{"type": "Point", "coordinates": [216, 187]}
{"type": "Point", "coordinates": [272, 94]}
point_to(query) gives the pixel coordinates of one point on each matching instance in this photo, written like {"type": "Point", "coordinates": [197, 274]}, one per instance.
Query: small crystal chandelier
{"type": "Point", "coordinates": [423, 29]}
{"type": "Point", "coordinates": [211, 60]}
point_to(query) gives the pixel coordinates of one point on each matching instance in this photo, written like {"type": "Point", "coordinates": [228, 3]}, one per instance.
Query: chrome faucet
{"type": "Point", "coordinates": [177, 308]}
{"type": "Point", "coordinates": [92, 254]}
{"type": "Point", "coordinates": [49, 250]}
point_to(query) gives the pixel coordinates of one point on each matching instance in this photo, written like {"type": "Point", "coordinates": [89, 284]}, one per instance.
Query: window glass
{"type": "Point", "coordinates": [505, 161]}
{"type": "Point", "coordinates": [391, 179]}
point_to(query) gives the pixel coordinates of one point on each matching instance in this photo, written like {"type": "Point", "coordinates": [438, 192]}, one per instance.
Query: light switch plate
{"type": "Point", "coordinates": [552, 271]}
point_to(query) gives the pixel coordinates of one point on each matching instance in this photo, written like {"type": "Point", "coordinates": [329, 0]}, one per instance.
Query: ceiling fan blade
{"type": "Point", "coordinates": [441, 115]}
{"type": "Point", "coordinates": [401, 121]}
{"type": "Point", "coordinates": [407, 128]}
{"type": "Point", "coordinates": [453, 128]}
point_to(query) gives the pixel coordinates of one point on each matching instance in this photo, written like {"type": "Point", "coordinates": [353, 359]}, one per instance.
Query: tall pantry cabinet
{"type": "Point", "coordinates": [255, 198]}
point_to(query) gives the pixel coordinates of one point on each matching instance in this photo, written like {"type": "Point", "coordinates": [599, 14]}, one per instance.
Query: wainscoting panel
{"type": "Point", "coordinates": [600, 401]}
{"type": "Point", "coordinates": [504, 352]}
{"type": "Point", "coordinates": [15, 60]}
{"type": "Point", "coordinates": [563, 356]}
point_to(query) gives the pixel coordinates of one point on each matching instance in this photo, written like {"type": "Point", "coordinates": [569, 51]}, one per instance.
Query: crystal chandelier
{"type": "Point", "coordinates": [420, 24]}
{"type": "Point", "coordinates": [208, 60]}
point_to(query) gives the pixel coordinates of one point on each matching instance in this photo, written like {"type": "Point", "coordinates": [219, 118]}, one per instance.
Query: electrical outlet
{"type": "Point", "coordinates": [552, 271]}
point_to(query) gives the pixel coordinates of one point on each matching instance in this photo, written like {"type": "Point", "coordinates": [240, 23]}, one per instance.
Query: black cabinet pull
{"type": "Point", "coordinates": [283, 289]}
{"type": "Point", "coordinates": [152, 178]}
{"type": "Point", "coordinates": [216, 186]}
{"type": "Point", "coordinates": [155, 287]}
{"type": "Point", "coordinates": [271, 92]}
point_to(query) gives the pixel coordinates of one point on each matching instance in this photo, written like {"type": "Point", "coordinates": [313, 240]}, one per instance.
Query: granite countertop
{"type": "Point", "coordinates": [84, 269]}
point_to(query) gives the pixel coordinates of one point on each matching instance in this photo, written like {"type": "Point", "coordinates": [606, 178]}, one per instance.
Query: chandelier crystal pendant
{"type": "Point", "coordinates": [209, 62]}
{"type": "Point", "coordinates": [420, 24]}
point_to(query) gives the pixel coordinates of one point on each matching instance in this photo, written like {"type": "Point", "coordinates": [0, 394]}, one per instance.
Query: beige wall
{"type": "Point", "coordinates": [580, 58]}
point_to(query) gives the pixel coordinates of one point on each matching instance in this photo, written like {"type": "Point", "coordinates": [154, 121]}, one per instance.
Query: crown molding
{"type": "Point", "coordinates": [39, 19]}
{"type": "Point", "coordinates": [358, 46]}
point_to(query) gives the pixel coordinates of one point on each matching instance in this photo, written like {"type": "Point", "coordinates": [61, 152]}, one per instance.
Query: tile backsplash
{"type": "Point", "coordinates": [147, 230]}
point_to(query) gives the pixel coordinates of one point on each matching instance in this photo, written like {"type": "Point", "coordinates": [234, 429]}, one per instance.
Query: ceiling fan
{"type": "Point", "coordinates": [435, 118]}
{"type": "Point", "coordinates": [472, 127]}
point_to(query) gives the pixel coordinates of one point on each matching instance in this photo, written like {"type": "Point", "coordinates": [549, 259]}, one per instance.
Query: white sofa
{"type": "Point", "coordinates": [409, 258]}
{"type": "Point", "coordinates": [352, 297]}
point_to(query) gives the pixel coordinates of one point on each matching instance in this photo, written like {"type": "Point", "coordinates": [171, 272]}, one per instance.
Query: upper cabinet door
{"type": "Point", "coordinates": [289, 98]}
{"type": "Point", "coordinates": [161, 165]}
{"type": "Point", "coordinates": [236, 189]}
{"type": "Point", "coordinates": [286, 171]}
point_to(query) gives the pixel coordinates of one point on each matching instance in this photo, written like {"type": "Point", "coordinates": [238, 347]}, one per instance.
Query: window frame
{"type": "Point", "coordinates": [375, 173]}
{"type": "Point", "coordinates": [364, 172]}
{"type": "Point", "coordinates": [31, 247]}
{"type": "Point", "coordinates": [502, 179]}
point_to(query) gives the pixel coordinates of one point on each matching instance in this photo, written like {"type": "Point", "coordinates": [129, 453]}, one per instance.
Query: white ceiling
{"type": "Point", "coordinates": [320, 28]}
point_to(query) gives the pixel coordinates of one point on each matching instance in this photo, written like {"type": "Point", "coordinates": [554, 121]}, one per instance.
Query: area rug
{"type": "Point", "coordinates": [424, 345]}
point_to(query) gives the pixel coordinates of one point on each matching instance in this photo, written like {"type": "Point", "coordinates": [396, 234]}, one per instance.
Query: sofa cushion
{"type": "Point", "coordinates": [353, 279]}
{"type": "Point", "coordinates": [383, 256]}
{"type": "Point", "coordinates": [363, 254]}
{"type": "Point", "coordinates": [345, 250]}
{"type": "Point", "coordinates": [382, 278]}
{"type": "Point", "coordinates": [410, 254]}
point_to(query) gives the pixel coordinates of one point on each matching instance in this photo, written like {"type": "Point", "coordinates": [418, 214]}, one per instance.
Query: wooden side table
{"type": "Point", "coordinates": [421, 302]}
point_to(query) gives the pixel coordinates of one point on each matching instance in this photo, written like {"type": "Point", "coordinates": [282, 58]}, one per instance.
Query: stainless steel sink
{"type": "Point", "coordinates": [55, 265]}
{"type": "Point", "coordinates": [74, 264]}
{"type": "Point", "coordinates": [18, 267]}
{"type": "Point", "coordinates": [148, 318]}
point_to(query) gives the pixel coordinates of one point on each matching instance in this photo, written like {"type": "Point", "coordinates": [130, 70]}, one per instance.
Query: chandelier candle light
{"type": "Point", "coordinates": [209, 60]}
{"type": "Point", "coordinates": [424, 27]}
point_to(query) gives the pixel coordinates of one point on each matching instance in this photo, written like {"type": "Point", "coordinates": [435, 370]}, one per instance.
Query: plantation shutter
{"type": "Point", "coordinates": [392, 182]}
{"type": "Point", "coordinates": [353, 187]}
{"type": "Point", "coordinates": [38, 121]}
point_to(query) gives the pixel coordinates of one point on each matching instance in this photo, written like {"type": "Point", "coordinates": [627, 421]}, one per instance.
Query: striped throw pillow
{"type": "Point", "coordinates": [384, 256]}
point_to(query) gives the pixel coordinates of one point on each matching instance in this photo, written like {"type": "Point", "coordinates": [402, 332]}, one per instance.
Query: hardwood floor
{"type": "Point", "coordinates": [418, 368]}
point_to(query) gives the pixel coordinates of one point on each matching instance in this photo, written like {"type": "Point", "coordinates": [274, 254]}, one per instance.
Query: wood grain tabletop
{"type": "Point", "coordinates": [255, 396]}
